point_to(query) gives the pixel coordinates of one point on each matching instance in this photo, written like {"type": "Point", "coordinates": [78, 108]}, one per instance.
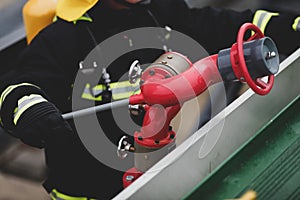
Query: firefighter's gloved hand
{"type": "Point", "coordinates": [38, 121]}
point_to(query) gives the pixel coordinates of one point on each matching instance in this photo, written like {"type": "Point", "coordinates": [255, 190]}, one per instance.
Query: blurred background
{"type": "Point", "coordinates": [22, 168]}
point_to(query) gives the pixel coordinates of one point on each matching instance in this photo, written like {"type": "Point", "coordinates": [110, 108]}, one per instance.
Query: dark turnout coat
{"type": "Point", "coordinates": [52, 60]}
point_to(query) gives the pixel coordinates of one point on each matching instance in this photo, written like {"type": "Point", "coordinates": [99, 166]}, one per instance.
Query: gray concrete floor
{"type": "Point", "coordinates": [22, 171]}
{"type": "Point", "coordinates": [15, 188]}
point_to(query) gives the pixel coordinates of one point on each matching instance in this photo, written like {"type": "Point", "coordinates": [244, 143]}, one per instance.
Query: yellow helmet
{"type": "Point", "coordinates": [71, 10]}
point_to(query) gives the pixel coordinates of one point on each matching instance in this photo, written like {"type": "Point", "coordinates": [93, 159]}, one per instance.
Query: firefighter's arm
{"type": "Point", "coordinates": [216, 28]}
{"type": "Point", "coordinates": [27, 114]}
{"type": "Point", "coordinates": [283, 28]}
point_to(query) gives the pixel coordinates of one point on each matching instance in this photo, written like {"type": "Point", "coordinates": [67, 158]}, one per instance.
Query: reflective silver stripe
{"type": "Point", "coordinates": [124, 89]}
{"type": "Point", "coordinates": [53, 197]}
{"type": "Point", "coordinates": [95, 92]}
{"type": "Point", "coordinates": [26, 102]}
{"type": "Point", "coordinates": [56, 195]}
{"type": "Point", "coordinates": [123, 93]}
{"type": "Point", "coordinates": [91, 93]}
{"type": "Point", "coordinates": [261, 19]}
{"type": "Point", "coordinates": [119, 90]}
{"type": "Point", "coordinates": [11, 88]}
{"type": "Point", "coordinates": [27, 99]}
{"type": "Point", "coordinates": [296, 24]}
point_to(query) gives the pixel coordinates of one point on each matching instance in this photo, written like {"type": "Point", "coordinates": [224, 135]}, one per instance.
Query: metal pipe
{"type": "Point", "coordinates": [88, 111]}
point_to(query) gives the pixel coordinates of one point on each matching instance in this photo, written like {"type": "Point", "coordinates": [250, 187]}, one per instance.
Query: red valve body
{"type": "Point", "coordinates": [165, 95]}
{"type": "Point", "coordinates": [180, 88]}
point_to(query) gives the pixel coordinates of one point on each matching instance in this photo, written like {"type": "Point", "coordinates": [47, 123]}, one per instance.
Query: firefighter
{"type": "Point", "coordinates": [34, 95]}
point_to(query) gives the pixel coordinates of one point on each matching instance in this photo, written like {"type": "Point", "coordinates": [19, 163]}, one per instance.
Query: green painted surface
{"type": "Point", "coordinates": [268, 163]}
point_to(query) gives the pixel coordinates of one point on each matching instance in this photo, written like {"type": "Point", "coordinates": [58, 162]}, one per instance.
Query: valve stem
{"type": "Point", "coordinates": [270, 55]}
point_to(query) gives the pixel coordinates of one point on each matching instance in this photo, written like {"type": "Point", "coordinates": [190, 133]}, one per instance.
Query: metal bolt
{"type": "Point", "coordinates": [81, 65]}
{"type": "Point", "coordinates": [151, 72]}
{"type": "Point", "coordinates": [167, 76]}
{"type": "Point", "coordinates": [242, 78]}
{"type": "Point", "coordinates": [164, 62]}
{"type": "Point", "coordinates": [146, 157]}
{"type": "Point", "coordinates": [95, 64]}
{"type": "Point", "coordinates": [134, 109]}
{"type": "Point", "coordinates": [169, 57]}
{"type": "Point", "coordinates": [168, 28]}
{"type": "Point", "coordinates": [142, 82]}
{"type": "Point", "coordinates": [129, 178]}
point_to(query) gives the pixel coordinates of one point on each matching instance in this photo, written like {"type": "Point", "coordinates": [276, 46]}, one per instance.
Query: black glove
{"type": "Point", "coordinates": [40, 124]}
{"type": "Point", "coordinates": [31, 118]}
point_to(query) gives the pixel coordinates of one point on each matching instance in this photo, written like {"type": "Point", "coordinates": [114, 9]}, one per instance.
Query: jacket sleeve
{"type": "Point", "coordinates": [46, 64]}
{"type": "Point", "coordinates": [216, 29]}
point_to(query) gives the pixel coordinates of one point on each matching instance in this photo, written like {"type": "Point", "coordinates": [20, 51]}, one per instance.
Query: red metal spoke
{"type": "Point", "coordinates": [253, 37]}
{"type": "Point", "coordinates": [260, 83]}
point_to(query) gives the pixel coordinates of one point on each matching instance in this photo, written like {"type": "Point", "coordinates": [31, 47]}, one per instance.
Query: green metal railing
{"type": "Point", "coordinates": [269, 164]}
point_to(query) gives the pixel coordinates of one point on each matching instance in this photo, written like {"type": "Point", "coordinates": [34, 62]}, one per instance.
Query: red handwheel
{"type": "Point", "coordinates": [257, 85]}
